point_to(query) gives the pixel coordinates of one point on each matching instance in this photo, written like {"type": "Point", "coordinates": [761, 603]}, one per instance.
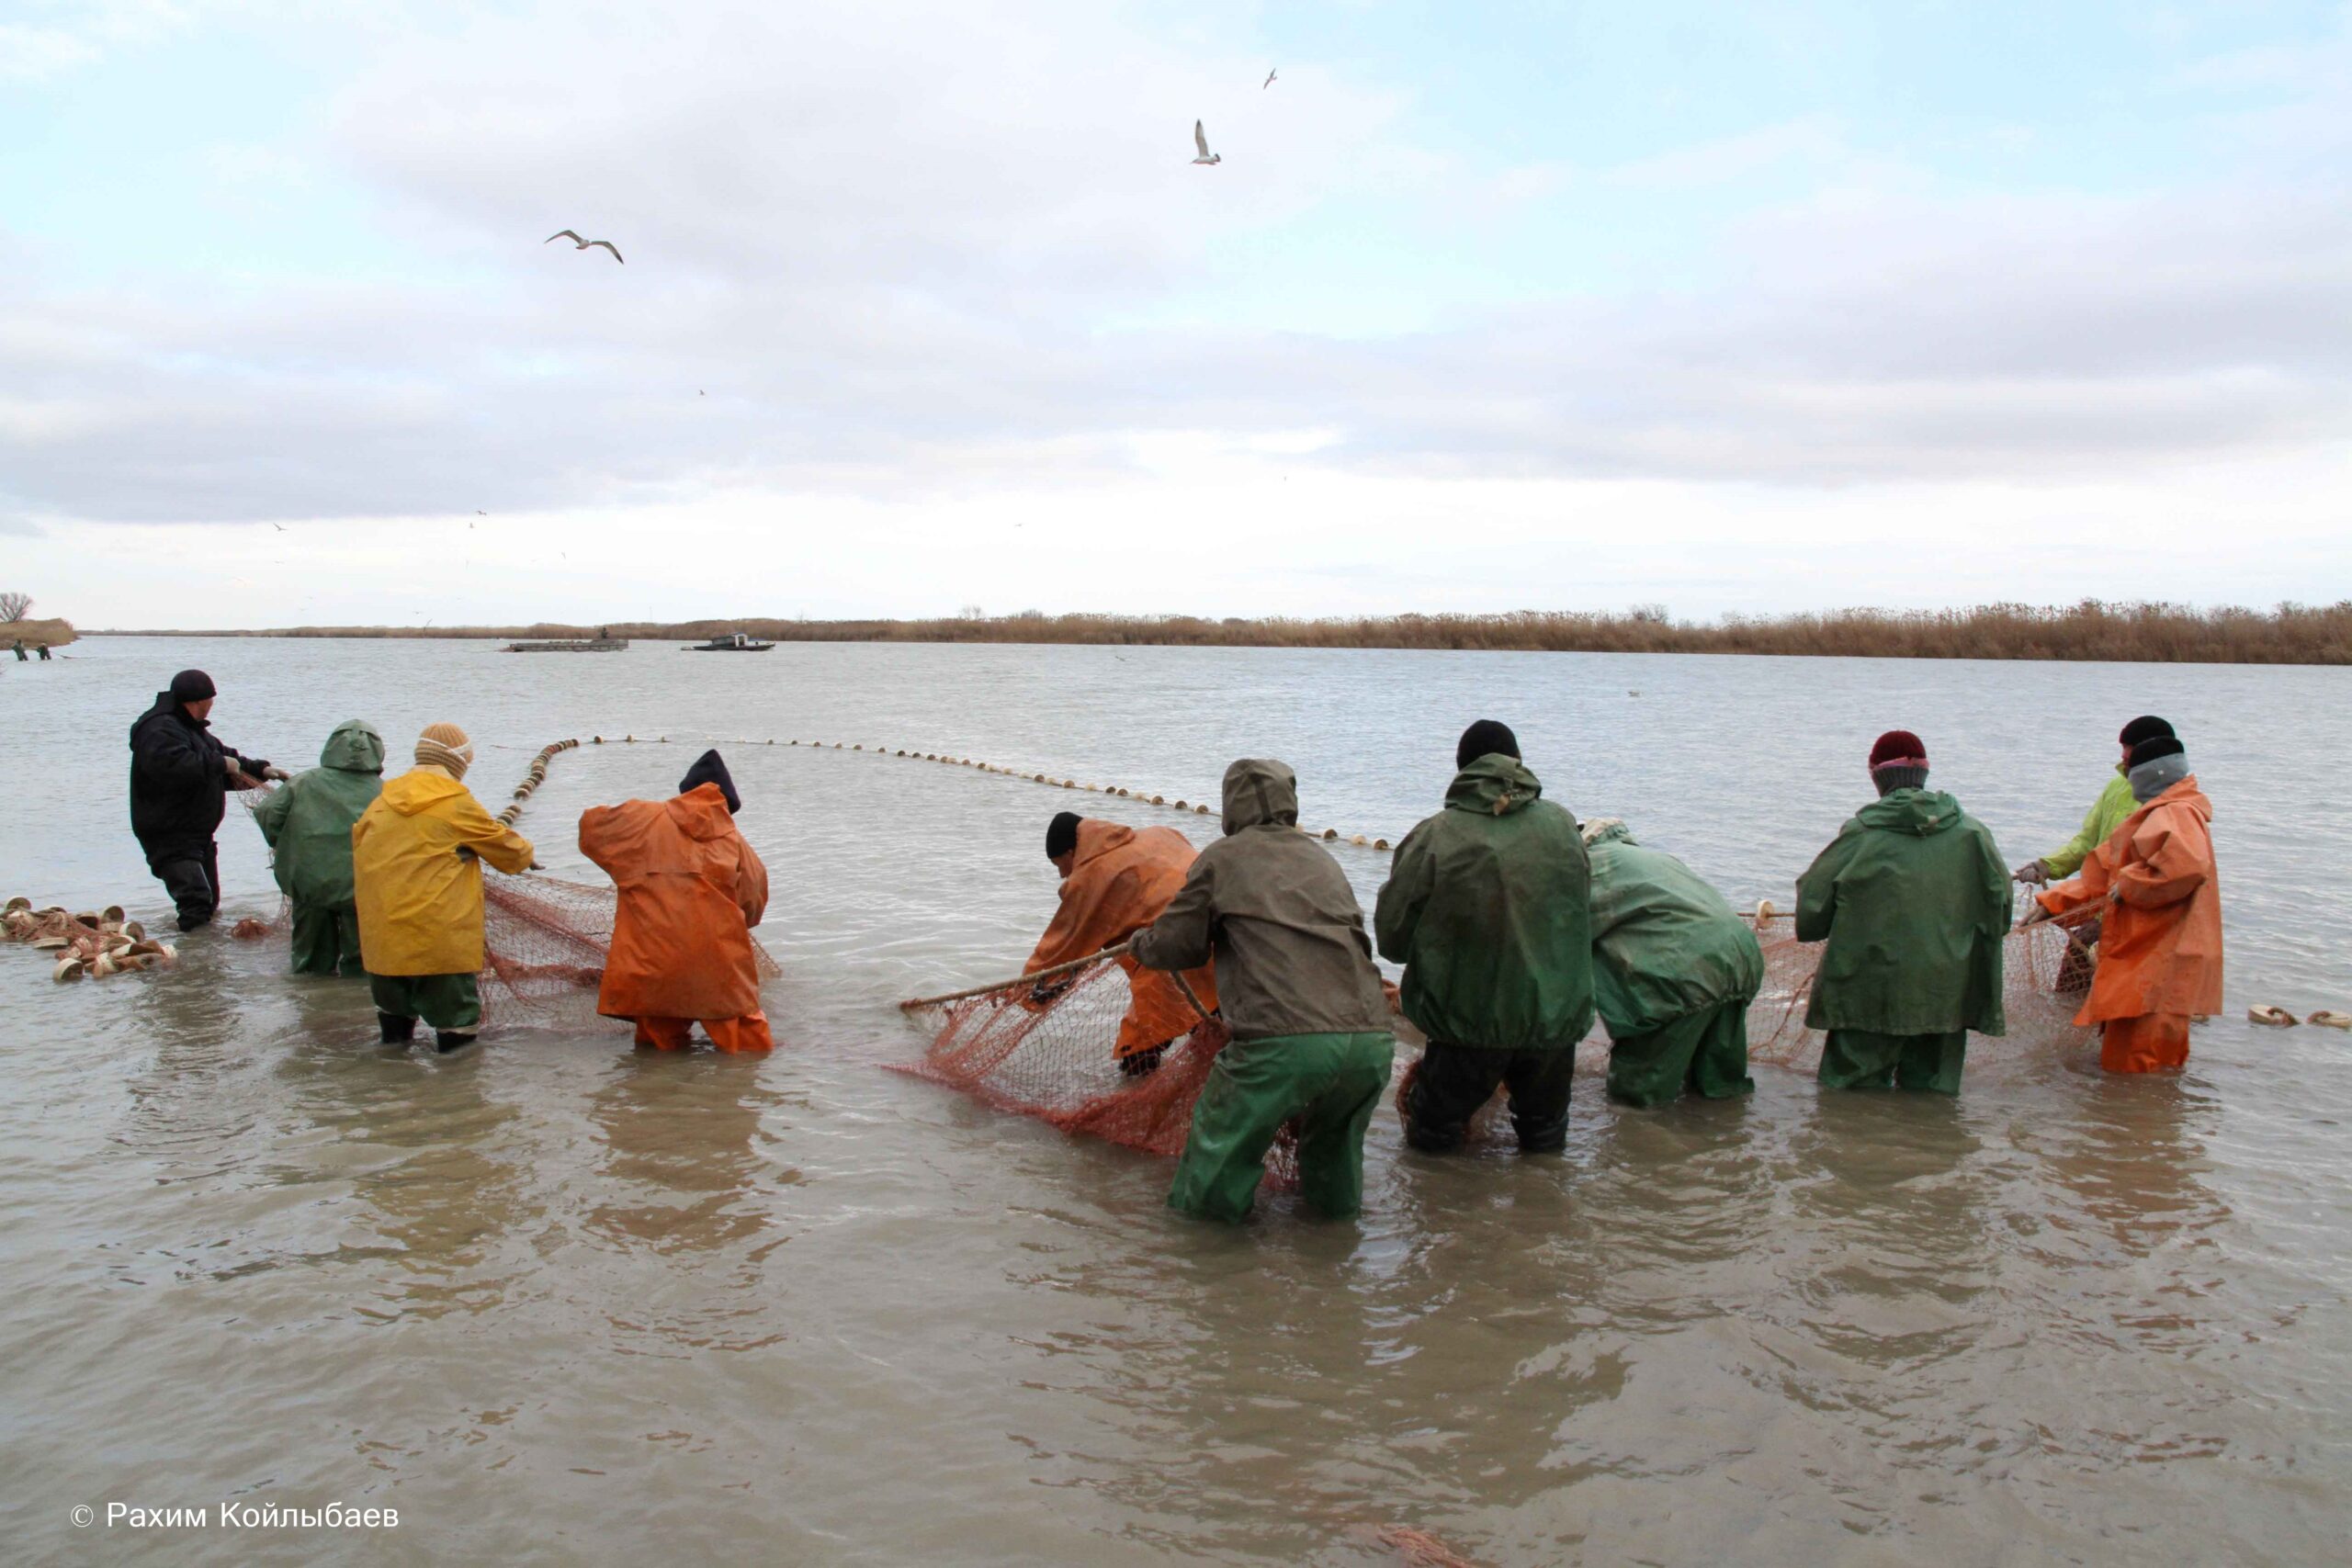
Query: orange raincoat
{"type": "Point", "coordinates": [691, 890]}
{"type": "Point", "coordinates": [1119, 881]}
{"type": "Point", "coordinates": [2160, 951]}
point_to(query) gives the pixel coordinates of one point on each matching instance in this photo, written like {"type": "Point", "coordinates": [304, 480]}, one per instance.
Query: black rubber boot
{"type": "Point", "coordinates": [398, 1030]}
{"type": "Point", "coordinates": [447, 1040]}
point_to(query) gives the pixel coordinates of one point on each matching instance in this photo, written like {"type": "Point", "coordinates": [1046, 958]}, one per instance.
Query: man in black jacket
{"type": "Point", "coordinates": [180, 779]}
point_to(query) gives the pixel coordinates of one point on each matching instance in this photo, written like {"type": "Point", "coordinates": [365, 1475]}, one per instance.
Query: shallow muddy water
{"type": "Point", "coordinates": [555, 1299]}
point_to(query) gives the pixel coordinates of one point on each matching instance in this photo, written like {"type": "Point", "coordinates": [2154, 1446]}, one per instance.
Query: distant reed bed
{"type": "Point", "coordinates": [2148, 633]}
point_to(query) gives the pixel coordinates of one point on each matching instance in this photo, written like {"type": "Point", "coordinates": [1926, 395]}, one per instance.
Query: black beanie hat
{"type": "Point", "coordinates": [2146, 726]}
{"type": "Point", "coordinates": [191, 686]}
{"type": "Point", "coordinates": [1061, 834]}
{"type": "Point", "coordinates": [1484, 739]}
{"type": "Point", "coordinates": [2153, 747]}
{"type": "Point", "coordinates": [708, 769]}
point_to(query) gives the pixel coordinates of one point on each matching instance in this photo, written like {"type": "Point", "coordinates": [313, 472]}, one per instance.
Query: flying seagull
{"type": "Point", "coordinates": [579, 244]}
{"type": "Point", "coordinates": [1201, 141]}
{"type": "Point", "coordinates": [279, 526]}
{"type": "Point", "coordinates": [1267, 83]}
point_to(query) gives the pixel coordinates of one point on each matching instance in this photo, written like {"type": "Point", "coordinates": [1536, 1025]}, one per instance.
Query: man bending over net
{"type": "Point", "coordinates": [691, 890]}
{"type": "Point", "coordinates": [1115, 881]}
{"type": "Point", "coordinates": [1310, 1024]}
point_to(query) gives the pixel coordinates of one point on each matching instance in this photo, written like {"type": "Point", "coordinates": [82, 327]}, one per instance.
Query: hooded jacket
{"type": "Point", "coordinates": [418, 900]}
{"type": "Point", "coordinates": [1664, 943]}
{"type": "Point", "coordinates": [1277, 913]}
{"type": "Point", "coordinates": [306, 823]}
{"type": "Point", "coordinates": [1120, 879]}
{"type": "Point", "coordinates": [179, 776]}
{"type": "Point", "coordinates": [1913, 901]}
{"type": "Point", "coordinates": [691, 890]}
{"type": "Point", "coordinates": [2113, 805]}
{"type": "Point", "coordinates": [1488, 907]}
{"type": "Point", "coordinates": [2160, 943]}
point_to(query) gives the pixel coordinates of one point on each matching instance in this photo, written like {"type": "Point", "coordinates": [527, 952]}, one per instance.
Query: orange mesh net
{"type": "Point", "coordinates": [1042, 1046]}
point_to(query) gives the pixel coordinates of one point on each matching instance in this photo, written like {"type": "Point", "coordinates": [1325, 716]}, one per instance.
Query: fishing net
{"type": "Point", "coordinates": [2045, 969]}
{"type": "Point", "coordinates": [1041, 1047]}
{"type": "Point", "coordinates": [1044, 1049]}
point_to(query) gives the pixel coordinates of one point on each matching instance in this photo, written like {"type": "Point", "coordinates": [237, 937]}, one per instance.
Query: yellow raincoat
{"type": "Point", "coordinates": [420, 901]}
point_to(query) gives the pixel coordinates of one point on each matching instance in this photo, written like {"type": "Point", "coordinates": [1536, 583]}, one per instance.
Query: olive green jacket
{"type": "Point", "coordinates": [308, 821]}
{"type": "Point", "coordinates": [1913, 901]}
{"type": "Point", "coordinates": [1664, 943]}
{"type": "Point", "coordinates": [1487, 908]}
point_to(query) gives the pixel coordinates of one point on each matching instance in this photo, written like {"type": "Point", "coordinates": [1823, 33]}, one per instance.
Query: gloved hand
{"type": "Point", "coordinates": [232, 766]}
{"type": "Point", "coordinates": [2033, 873]}
{"type": "Point", "coordinates": [271, 770]}
{"type": "Point", "coordinates": [2035, 916]}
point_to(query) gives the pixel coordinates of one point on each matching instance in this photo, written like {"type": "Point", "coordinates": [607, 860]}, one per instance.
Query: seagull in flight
{"type": "Point", "coordinates": [279, 526]}
{"type": "Point", "coordinates": [1201, 141]}
{"type": "Point", "coordinates": [579, 244]}
{"type": "Point", "coordinates": [1267, 83]}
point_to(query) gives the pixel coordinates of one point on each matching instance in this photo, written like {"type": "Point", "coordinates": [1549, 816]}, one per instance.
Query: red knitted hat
{"type": "Point", "coordinates": [1898, 749]}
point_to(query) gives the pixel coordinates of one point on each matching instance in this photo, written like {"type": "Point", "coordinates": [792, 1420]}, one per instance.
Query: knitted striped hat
{"type": "Point", "coordinates": [444, 746]}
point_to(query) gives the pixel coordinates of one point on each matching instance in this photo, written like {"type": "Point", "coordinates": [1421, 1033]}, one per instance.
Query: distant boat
{"type": "Point", "coordinates": [576, 645]}
{"type": "Point", "coordinates": [735, 642]}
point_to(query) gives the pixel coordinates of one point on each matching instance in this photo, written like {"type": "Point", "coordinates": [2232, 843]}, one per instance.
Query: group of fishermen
{"type": "Point", "coordinates": [384, 875]}
{"type": "Point", "coordinates": [1514, 925]}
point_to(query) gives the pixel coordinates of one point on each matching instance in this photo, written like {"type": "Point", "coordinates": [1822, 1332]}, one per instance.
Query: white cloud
{"type": "Point", "coordinates": [874, 258]}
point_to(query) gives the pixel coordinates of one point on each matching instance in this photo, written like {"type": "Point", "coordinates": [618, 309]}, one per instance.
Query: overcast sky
{"type": "Point", "coordinates": [1488, 307]}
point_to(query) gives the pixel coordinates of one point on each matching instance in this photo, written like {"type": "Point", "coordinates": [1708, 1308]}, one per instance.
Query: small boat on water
{"type": "Point", "coordinates": [575, 645]}
{"type": "Point", "coordinates": [734, 642]}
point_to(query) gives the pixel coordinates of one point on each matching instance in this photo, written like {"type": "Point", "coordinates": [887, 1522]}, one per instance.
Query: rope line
{"type": "Point", "coordinates": [1143, 798]}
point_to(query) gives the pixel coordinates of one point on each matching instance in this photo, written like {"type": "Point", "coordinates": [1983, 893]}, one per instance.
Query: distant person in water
{"type": "Point", "coordinates": [1487, 906]}
{"type": "Point", "coordinates": [1911, 901]}
{"type": "Point", "coordinates": [307, 824]}
{"type": "Point", "coordinates": [1311, 1038]}
{"type": "Point", "coordinates": [1116, 880]}
{"type": "Point", "coordinates": [180, 779]}
{"type": "Point", "coordinates": [416, 855]}
{"type": "Point", "coordinates": [691, 889]}
{"type": "Point", "coordinates": [1673, 969]}
{"type": "Point", "coordinates": [2160, 956]}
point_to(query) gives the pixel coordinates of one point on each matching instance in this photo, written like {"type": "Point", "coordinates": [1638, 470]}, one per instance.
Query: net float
{"type": "Point", "coordinates": [69, 968]}
{"type": "Point", "coordinates": [2328, 1020]}
{"type": "Point", "coordinates": [2275, 1016]}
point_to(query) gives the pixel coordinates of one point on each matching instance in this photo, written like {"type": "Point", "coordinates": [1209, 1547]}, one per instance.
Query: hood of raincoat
{"type": "Point", "coordinates": [353, 747]}
{"type": "Point", "coordinates": [1258, 791]}
{"type": "Point", "coordinates": [701, 812]}
{"type": "Point", "coordinates": [420, 790]}
{"type": "Point", "coordinates": [1922, 813]}
{"type": "Point", "coordinates": [1097, 839]}
{"type": "Point", "coordinates": [1493, 785]}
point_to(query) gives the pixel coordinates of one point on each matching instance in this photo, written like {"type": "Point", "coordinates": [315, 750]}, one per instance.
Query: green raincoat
{"type": "Point", "coordinates": [1664, 943]}
{"type": "Point", "coordinates": [308, 822]}
{"type": "Point", "coordinates": [1487, 908]}
{"type": "Point", "coordinates": [2107, 813]}
{"type": "Point", "coordinates": [1913, 901]}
